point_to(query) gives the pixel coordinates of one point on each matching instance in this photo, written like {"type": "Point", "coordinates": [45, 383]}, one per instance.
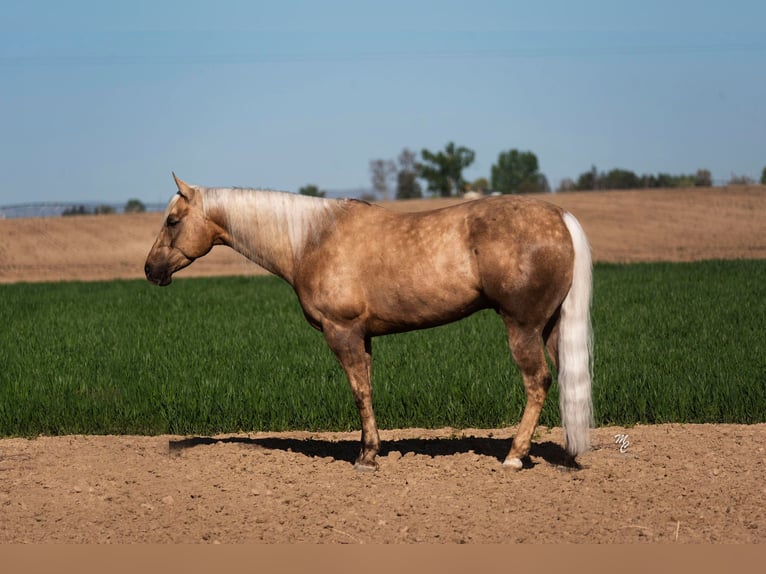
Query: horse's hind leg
{"type": "Point", "coordinates": [527, 349]}
{"type": "Point", "coordinates": [551, 338]}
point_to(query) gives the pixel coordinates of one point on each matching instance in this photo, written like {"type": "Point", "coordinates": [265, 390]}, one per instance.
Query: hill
{"type": "Point", "coordinates": [623, 226]}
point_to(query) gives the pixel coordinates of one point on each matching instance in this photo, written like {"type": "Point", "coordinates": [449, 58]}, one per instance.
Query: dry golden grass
{"type": "Point", "coordinates": [623, 226]}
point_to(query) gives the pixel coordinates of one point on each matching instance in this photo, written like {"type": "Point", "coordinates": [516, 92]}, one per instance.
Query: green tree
{"type": "Point", "coordinates": [443, 170]}
{"type": "Point", "coordinates": [517, 172]}
{"type": "Point", "coordinates": [311, 190]}
{"type": "Point", "coordinates": [588, 180]}
{"type": "Point", "coordinates": [763, 176]}
{"type": "Point", "coordinates": [75, 210]}
{"type": "Point", "coordinates": [664, 180]}
{"type": "Point", "coordinates": [542, 184]}
{"type": "Point", "coordinates": [626, 179]}
{"type": "Point", "coordinates": [620, 179]}
{"type": "Point", "coordinates": [134, 206]}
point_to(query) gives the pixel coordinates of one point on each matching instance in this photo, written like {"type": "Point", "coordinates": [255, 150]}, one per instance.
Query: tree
{"type": "Point", "coordinates": [382, 170]}
{"type": "Point", "coordinates": [619, 179]}
{"type": "Point", "coordinates": [542, 184]}
{"type": "Point", "coordinates": [480, 184]}
{"type": "Point", "coordinates": [311, 190]}
{"type": "Point", "coordinates": [517, 172]}
{"type": "Point", "coordinates": [444, 170]}
{"type": "Point", "coordinates": [763, 176]}
{"type": "Point", "coordinates": [407, 186]}
{"type": "Point", "coordinates": [666, 180]}
{"type": "Point", "coordinates": [626, 179]}
{"type": "Point", "coordinates": [740, 180]}
{"type": "Point", "coordinates": [703, 178]}
{"type": "Point", "coordinates": [103, 209]}
{"type": "Point", "coordinates": [75, 210]}
{"type": "Point", "coordinates": [134, 206]}
{"type": "Point", "coordinates": [566, 184]}
{"type": "Point", "coordinates": [588, 180]}
{"type": "Point", "coordinates": [663, 180]}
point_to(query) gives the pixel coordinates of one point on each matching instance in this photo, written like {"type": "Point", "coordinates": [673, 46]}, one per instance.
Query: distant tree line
{"type": "Point", "coordinates": [311, 190]}
{"type": "Point", "coordinates": [132, 206]}
{"type": "Point", "coordinates": [515, 171]}
{"type": "Point", "coordinates": [626, 179]}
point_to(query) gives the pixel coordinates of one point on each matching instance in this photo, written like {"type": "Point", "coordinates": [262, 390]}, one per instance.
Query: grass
{"type": "Point", "coordinates": [681, 342]}
{"type": "Point", "coordinates": [674, 343]}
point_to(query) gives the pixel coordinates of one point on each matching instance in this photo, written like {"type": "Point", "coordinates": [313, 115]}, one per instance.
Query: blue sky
{"type": "Point", "coordinates": [99, 101]}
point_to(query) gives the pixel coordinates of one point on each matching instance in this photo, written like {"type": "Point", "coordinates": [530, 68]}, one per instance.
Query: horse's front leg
{"type": "Point", "coordinates": [354, 351]}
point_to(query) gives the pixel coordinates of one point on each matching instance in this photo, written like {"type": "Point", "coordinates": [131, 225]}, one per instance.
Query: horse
{"type": "Point", "coordinates": [360, 271]}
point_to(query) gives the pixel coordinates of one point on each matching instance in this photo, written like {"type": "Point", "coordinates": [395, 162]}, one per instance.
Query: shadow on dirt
{"type": "Point", "coordinates": [346, 450]}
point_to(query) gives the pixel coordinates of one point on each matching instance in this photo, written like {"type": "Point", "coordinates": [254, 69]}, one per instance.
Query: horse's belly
{"type": "Point", "coordinates": [393, 308]}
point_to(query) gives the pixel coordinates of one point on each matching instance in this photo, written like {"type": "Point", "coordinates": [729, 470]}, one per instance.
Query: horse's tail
{"type": "Point", "coordinates": [575, 348]}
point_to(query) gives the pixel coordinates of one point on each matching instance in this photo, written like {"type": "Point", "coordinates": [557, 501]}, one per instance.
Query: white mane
{"type": "Point", "coordinates": [268, 226]}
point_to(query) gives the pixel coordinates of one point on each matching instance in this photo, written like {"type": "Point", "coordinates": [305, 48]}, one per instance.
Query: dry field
{"type": "Point", "coordinates": [624, 226]}
{"type": "Point", "coordinates": [670, 483]}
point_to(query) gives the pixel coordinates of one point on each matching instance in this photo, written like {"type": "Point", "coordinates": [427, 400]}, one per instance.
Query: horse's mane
{"type": "Point", "coordinates": [270, 220]}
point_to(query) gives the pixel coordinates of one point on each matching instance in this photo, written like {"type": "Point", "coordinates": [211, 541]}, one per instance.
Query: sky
{"type": "Point", "coordinates": [101, 101]}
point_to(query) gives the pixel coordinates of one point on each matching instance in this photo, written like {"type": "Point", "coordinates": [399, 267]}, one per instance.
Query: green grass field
{"type": "Point", "coordinates": [674, 343]}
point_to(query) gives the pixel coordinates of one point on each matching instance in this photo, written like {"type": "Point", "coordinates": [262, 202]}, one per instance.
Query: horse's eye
{"type": "Point", "coordinates": [172, 222]}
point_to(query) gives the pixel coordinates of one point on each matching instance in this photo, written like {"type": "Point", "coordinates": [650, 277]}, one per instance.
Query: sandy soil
{"type": "Point", "coordinates": [674, 483]}
{"type": "Point", "coordinates": [668, 483]}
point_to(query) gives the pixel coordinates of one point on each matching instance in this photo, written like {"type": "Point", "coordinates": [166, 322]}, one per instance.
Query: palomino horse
{"type": "Point", "coordinates": [361, 271]}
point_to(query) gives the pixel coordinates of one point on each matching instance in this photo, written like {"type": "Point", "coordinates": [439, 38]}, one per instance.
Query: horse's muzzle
{"type": "Point", "coordinates": [158, 275]}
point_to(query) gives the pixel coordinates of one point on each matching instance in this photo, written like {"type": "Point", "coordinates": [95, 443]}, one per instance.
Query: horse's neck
{"type": "Point", "coordinates": [270, 228]}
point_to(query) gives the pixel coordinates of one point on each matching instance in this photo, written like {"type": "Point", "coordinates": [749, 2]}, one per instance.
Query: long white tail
{"type": "Point", "coordinates": [575, 369]}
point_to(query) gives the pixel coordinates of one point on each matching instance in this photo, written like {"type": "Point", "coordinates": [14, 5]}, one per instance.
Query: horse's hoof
{"type": "Point", "coordinates": [365, 467]}
{"type": "Point", "coordinates": [512, 464]}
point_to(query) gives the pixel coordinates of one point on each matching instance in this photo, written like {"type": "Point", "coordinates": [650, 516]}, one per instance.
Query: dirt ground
{"type": "Point", "coordinates": [664, 483]}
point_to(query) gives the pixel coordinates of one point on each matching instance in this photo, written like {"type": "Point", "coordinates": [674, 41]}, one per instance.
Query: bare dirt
{"type": "Point", "coordinates": [663, 483]}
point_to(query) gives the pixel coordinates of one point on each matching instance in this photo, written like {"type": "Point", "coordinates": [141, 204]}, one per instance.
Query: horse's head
{"type": "Point", "coordinates": [186, 235]}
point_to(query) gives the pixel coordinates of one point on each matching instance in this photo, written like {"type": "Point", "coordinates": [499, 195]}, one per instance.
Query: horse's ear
{"type": "Point", "coordinates": [184, 190]}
